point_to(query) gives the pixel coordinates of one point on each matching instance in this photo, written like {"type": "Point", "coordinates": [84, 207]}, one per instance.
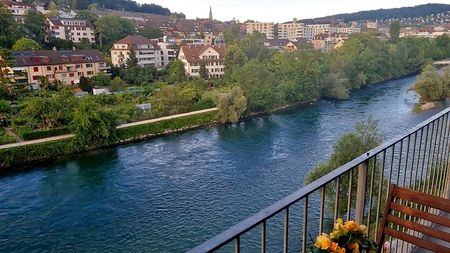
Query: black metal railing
{"type": "Point", "coordinates": [357, 191]}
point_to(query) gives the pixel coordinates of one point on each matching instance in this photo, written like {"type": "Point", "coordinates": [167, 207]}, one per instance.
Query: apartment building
{"type": "Point", "coordinates": [309, 31]}
{"type": "Point", "coordinates": [148, 52]}
{"type": "Point", "coordinates": [66, 66]}
{"type": "Point", "coordinates": [18, 9]}
{"type": "Point", "coordinates": [345, 30]}
{"type": "Point", "coordinates": [290, 31]}
{"type": "Point", "coordinates": [168, 52]}
{"type": "Point", "coordinates": [70, 29]}
{"type": "Point", "coordinates": [264, 28]}
{"type": "Point", "coordinates": [194, 56]}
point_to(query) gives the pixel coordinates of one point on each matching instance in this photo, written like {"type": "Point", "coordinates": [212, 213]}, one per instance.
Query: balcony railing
{"type": "Point", "coordinates": [358, 190]}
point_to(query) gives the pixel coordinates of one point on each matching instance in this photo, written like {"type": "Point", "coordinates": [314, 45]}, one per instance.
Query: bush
{"type": "Point", "coordinates": [44, 133]}
{"type": "Point", "coordinates": [5, 139]}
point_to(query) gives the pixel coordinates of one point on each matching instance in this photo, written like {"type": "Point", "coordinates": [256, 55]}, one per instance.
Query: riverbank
{"type": "Point", "coordinates": [18, 157]}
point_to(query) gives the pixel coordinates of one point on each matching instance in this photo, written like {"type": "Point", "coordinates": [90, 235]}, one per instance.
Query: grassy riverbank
{"type": "Point", "coordinates": [17, 157]}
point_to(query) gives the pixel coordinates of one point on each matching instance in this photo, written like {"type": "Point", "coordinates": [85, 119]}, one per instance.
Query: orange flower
{"type": "Point", "coordinates": [323, 241]}
{"type": "Point", "coordinates": [354, 246]}
{"type": "Point", "coordinates": [351, 226]}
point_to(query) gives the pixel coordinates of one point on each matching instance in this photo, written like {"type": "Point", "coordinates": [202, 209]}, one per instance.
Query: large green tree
{"type": "Point", "coordinates": [431, 86]}
{"type": "Point", "coordinates": [231, 105]}
{"type": "Point", "coordinates": [10, 30]}
{"type": "Point", "coordinates": [25, 44]}
{"type": "Point", "coordinates": [394, 31]}
{"type": "Point", "coordinates": [175, 71]}
{"type": "Point", "coordinates": [91, 124]}
{"type": "Point", "coordinates": [34, 26]}
{"type": "Point", "coordinates": [234, 59]}
{"type": "Point", "coordinates": [112, 28]}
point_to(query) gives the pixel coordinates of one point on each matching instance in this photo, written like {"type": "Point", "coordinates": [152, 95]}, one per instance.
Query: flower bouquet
{"type": "Point", "coordinates": [348, 237]}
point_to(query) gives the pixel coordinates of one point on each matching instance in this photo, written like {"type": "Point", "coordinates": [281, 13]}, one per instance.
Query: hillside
{"type": "Point", "coordinates": [122, 5]}
{"type": "Point", "coordinates": [382, 14]}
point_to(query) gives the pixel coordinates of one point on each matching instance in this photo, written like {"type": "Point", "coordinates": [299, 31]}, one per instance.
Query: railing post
{"type": "Point", "coordinates": [361, 192]}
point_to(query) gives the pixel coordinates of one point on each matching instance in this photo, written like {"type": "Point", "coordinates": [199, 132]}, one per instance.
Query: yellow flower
{"type": "Point", "coordinates": [354, 246]}
{"type": "Point", "coordinates": [351, 226]}
{"type": "Point", "coordinates": [339, 221]}
{"type": "Point", "coordinates": [363, 229]}
{"type": "Point", "coordinates": [323, 241]}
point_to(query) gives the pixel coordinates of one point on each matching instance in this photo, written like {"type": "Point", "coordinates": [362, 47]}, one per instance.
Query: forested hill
{"type": "Point", "coordinates": [382, 14]}
{"type": "Point", "coordinates": [121, 5]}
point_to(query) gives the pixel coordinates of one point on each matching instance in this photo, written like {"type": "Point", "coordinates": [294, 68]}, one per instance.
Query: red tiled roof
{"type": "Point", "coordinates": [134, 40]}
{"type": "Point", "coordinates": [9, 2]}
{"type": "Point", "coordinates": [50, 57]}
{"type": "Point", "coordinates": [193, 52]}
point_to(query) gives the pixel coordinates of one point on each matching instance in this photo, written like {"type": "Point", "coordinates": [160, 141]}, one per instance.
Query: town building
{"type": "Point", "coordinates": [195, 56]}
{"type": "Point", "coordinates": [67, 66]}
{"type": "Point", "coordinates": [264, 28]}
{"type": "Point", "coordinates": [290, 31]}
{"type": "Point", "coordinates": [18, 9]}
{"type": "Point", "coordinates": [74, 30]}
{"type": "Point", "coordinates": [309, 31]}
{"type": "Point", "coordinates": [148, 52]}
{"type": "Point", "coordinates": [168, 52]}
{"type": "Point", "coordinates": [344, 29]}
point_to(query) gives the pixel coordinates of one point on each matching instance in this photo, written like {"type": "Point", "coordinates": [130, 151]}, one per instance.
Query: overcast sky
{"type": "Point", "coordinates": [278, 10]}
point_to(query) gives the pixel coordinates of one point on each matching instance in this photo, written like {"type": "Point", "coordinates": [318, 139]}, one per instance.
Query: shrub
{"type": "Point", "coordinates": [44, 133]}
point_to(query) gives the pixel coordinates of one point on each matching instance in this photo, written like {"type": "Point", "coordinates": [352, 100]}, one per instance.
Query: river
{"type": "Point", "coordinates": [168, 194]}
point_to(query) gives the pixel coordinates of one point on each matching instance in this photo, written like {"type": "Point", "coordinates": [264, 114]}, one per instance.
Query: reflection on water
{"type": "Point", "coordinates": [169, 194]}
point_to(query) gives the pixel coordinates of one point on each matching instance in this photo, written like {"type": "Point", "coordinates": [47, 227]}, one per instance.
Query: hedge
{"type": "Point", "coordinates": [44, 133]}
{"type": "Point", "coordinates": [22, 154]}
{"type": "Point", "coordinates": [166, 126]}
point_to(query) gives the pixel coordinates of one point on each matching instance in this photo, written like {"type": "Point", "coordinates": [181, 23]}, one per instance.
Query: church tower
{"type": "Point", "coordinates": [210, 14]}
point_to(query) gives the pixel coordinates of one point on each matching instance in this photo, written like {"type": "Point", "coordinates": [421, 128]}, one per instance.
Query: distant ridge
{"type": "Point", "coordinates": [382, 14]}
{"type": "Point", "coordinates": [120, 5]}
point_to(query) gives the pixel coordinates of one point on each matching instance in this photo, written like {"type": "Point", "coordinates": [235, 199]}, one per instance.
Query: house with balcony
{"type": "Point", "coordinates": [17, 8]}
{"type": "Point", "coordinates": [74, 30]}
{"type": "Point", "coordinates": [67, 66]}
{"type": "Point", "coordinates": [193, 56]}
{"type": "Point", "coordinates": [148, 52]}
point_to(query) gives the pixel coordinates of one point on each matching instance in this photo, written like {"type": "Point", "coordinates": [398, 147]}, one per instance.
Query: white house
{"type": "Point", "coordinates": [195, 56]}
{"type": "Point", "coordinates": [148, 52]}
{"type": "Point", "coordinates": [70, 29]}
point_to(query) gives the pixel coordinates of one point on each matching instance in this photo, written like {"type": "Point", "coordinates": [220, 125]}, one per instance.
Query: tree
{"type": "Point", "coordinates": [394, 31]}
{"type": "Point", "coordinates": [203, 71]}
{"type": "Point", "coordinates": [231, 34]}
{"type": "Point", "coordinates": [50, 109]}
{"type": "Point", "coordinates": [101, 79]}
{"type": "Point", "coordinates": [84, 44]}
{"type": "Point", "coordinates": [151, 32]}
{"type": "Point", "coordinates": [430, 85]}
{"type": "Point", "coordinates": [349, 146]}
{"type": "Point", "coordinates": [34, 25]}
{"type": "Point", "coordinates": [59, 44]}
{"type": "Point", "coordinates": [88, 15]}
{"type": "Point", "coordinates": [85, 84]}
{"type": "Point", "coordinates": [10, 31]}
{"type": "Point", "coordinates": [117, 83]}
{"type": "Point", "coordinates": [92, 125]}
{"type": "Point", "coordinates": [234, 59]}
{"type": "Point", "coordinates": [175, 71]}
{"type": "Point", "coordinates": [231, 105]}
{"type": "Point", "coordinates": [25, 44]}
{"type": "Point", "coordinates": [257, 82]}
{"type": "Point", "coordinates": [112, 28]}
{"type": "Point", "coordinates": [132, 60]}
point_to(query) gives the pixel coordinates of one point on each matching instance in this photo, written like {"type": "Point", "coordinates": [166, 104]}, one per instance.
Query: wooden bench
{"type": "Point", "coordinates": [406, 203]}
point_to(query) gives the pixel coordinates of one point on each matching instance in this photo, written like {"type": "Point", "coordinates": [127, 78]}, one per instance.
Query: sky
{"type": "Point", "coordinates": [277, 10]}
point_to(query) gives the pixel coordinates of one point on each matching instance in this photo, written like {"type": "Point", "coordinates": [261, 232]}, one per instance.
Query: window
{"type": "Point", "coordinates": [79, 66]}
{"type": "Point", "coordinates": [35, 78]}
{"type": "Point", "coordinates": [49, 68]}
{"type": "Point", "coordinates": [71, 74]}
{"type": "Point", "coordinates": [90, 73]}
{"type": "Point", "coordinates": [63, 75]}
{"type": "Point", "coordinates": [60, 67]}
{"type": "Point", "coordinates": [89, 65]}
{"type": "Point", "coordinates": [36, 69]}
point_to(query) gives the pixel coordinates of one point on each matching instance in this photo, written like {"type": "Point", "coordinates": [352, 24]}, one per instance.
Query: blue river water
{"type": "Point", "coordinates": [171, 193]}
